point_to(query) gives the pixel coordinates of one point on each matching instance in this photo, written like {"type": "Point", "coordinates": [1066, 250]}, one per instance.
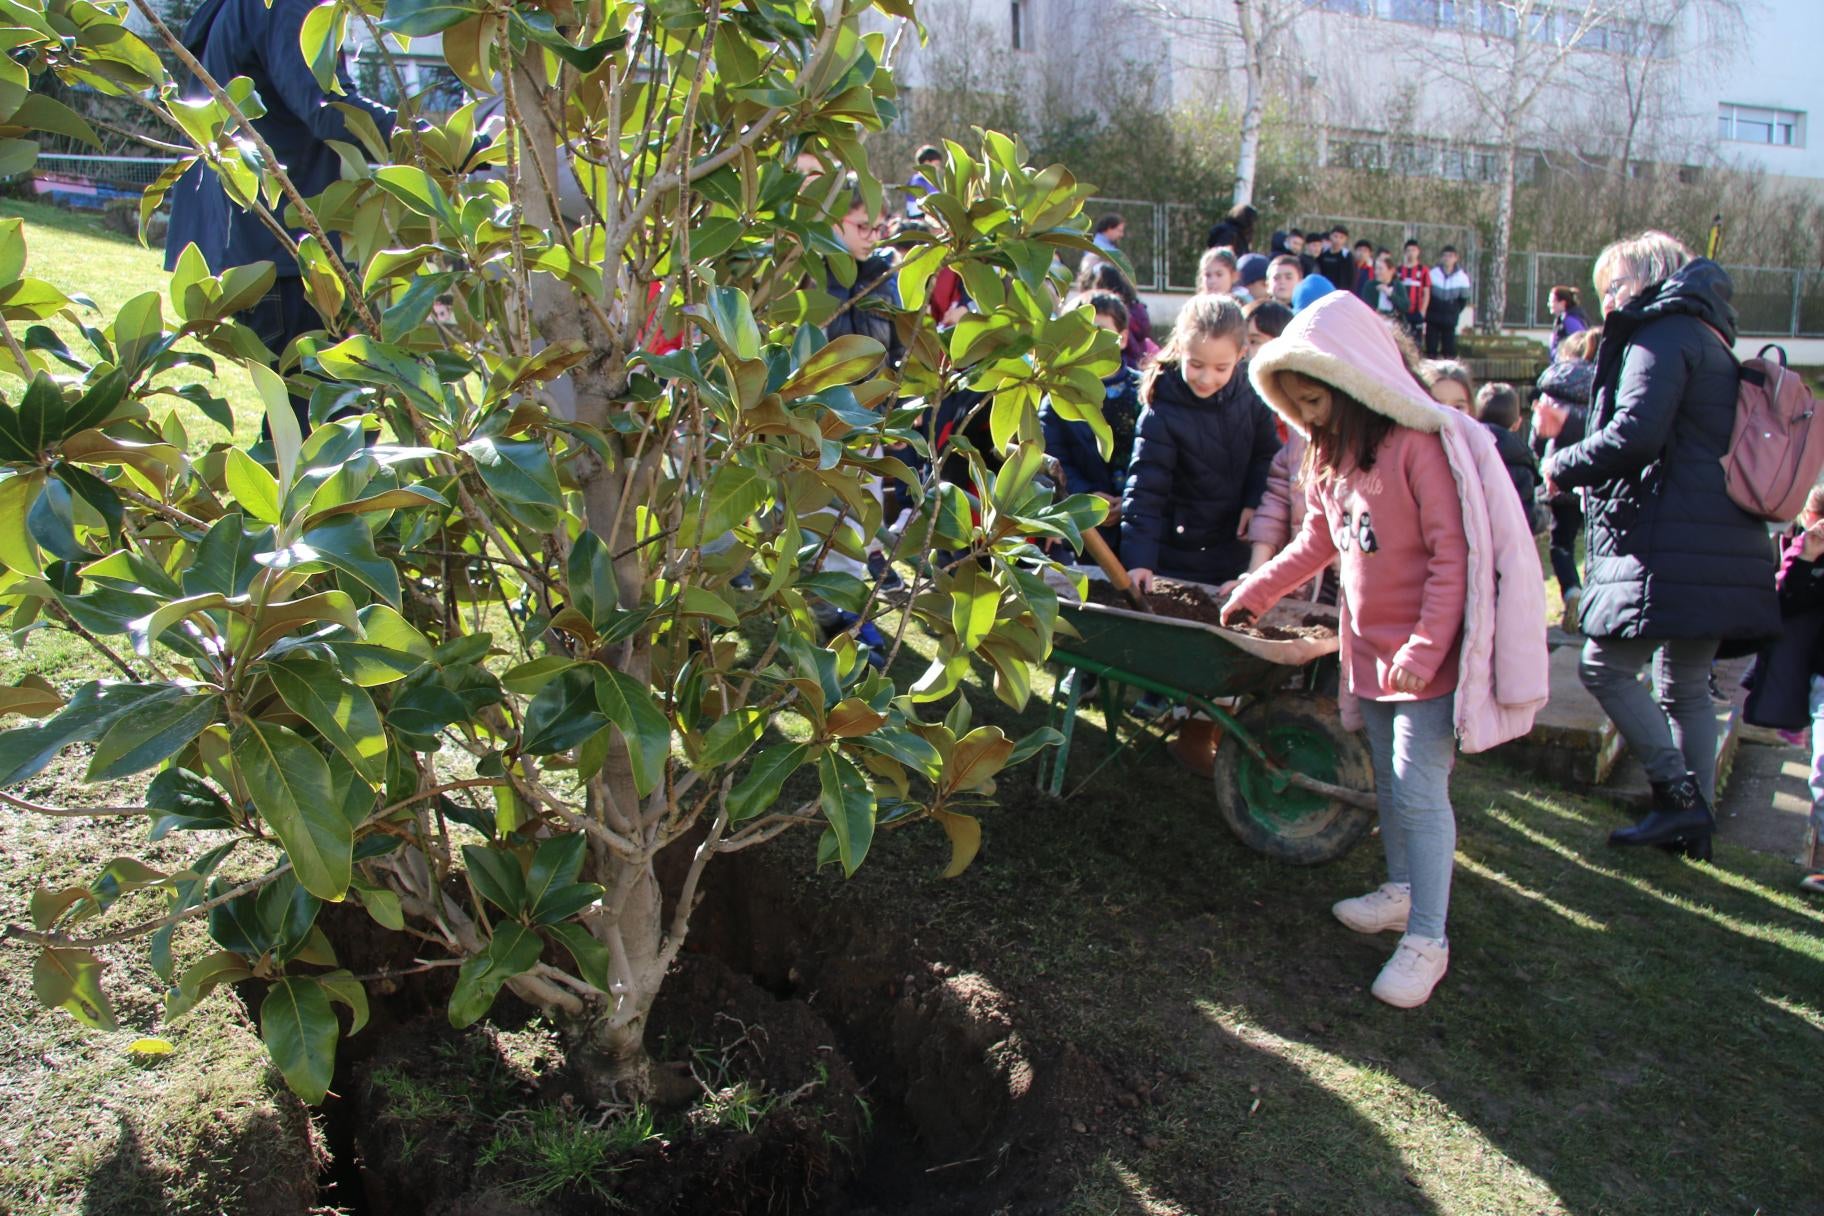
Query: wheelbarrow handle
{"type": "Point", "coordinates": [1111, 565]}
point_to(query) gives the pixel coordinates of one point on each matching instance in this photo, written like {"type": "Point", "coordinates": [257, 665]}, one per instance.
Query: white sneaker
{"type": "Point", "coordinates": [1413, 971]}
{"type": "Point", "coordinates": [1386, 907]}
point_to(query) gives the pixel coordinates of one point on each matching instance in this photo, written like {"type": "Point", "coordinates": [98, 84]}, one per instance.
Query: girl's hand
{"type": "Point", "coordinates": [1405, 680]}
{"type": "Point", "coordinates": [1142, 579]}
{"type": "Point", "coordinates": [1234, 614]}
{"type": "Point", "coordinates": [1114, 509]}
{"type": "Point", "coordinates": [1247, 517]}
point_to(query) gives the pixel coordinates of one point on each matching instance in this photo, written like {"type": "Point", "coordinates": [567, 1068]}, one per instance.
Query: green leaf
{"type": "Point", "coordinates": [593, 592]}
{"type": "Point", "coordinates": [974, 599]}
{"type": "Point", "coordinates": [701, 601]}
{"type": "Point", "coordinates": [17, 494]}
{"type": "Point", "coordinates": [848, 804]}
{"type": "Point", "coordinates": [96, 706]}
{"type": "Point", "coordinates": [843, 360]}
{"type": "Point", "coordinates": [527, 678]}
{"type": "Point", "coordinates": [513, 951]}
{"type": "Point", "coordinates": [551, 886]}
{"type": "Point", "coordinates": [910, 749]}
{"type": "Point", "coordinates": [593, 960]}
{"type": "Point", "coordinates": [203, 977]}
{"type": "Point", "coordinates": [300, 1032]}
{"type": "Point", "coordinates": [644, 727]}
{"type": "Point", "coordinates": [733, 494]}
{"type": "Point", "coordinates": [140, 740]}
{"type": "Point", "coordinates": [729, 317]}
{"type": "Point", "coordinates": [381, 904]}
{"type": "Point", "coordinates": [252, 488]}
{"type": "Point", "coordinates": [563, 714]}
{"type": "Point", "coordinates": [1032, 744]}
{"type": "Point", "coordinates": [290, 785]}
{"type": "Point", "coordinates": [71, 980]}
{"type": "Point", "coordinates": [347, 543]}
{"type": "Point", "coordinates": [419, 191]}
{"type": "Point", "coordinates": [344, 987]}
{"type": "Point", "coordinates": [320, 39]}
{"type": "Point", "coordinates": [281, 420]}
{"type": "Point", "coordinates": [759, 788]}
{"type": "Point", "coordinates": [495, 873]}
{"type": "Point", "coordinates": [183, 801]}
{"type": "Point", "coordinates": [341, 712]}
{"type": "Point", "coordinates": [519, 472]}
{"type": "Point", "coordinates": [148, 629]}
{"type": "Point", "coordinates": [418, 18]}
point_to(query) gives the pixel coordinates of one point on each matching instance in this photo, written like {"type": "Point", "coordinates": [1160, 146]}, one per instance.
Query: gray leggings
{"type": "Point", "coordinates": [1672, 729]}
{"type": "Point", "coordinates": [1414, 746]}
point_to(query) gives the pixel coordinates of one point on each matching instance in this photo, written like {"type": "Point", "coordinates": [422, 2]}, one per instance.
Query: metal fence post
{"type": "Point", "coordinates": [1532, 286]}
{"type": "Point", "coordinates": [1798, 295]}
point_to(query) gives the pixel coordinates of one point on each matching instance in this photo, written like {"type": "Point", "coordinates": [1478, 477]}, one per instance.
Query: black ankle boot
{"type": "Point", "coordinates": [1679, 819]}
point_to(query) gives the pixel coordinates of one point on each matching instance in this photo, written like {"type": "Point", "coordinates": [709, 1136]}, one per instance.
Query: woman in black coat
{"type": "Point", "coordinates": [1675, 567]}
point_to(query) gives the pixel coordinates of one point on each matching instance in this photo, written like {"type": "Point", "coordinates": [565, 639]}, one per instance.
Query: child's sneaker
{"type": "Point", "coordinates": [1386, 907]}
{"type": "Point", "coordinates": [1413, 971]}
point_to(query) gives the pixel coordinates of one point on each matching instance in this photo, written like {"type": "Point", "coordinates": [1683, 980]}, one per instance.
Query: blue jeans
{"type": "Point", "coordinates": [1672, 729]}
{"type": "Point", "coordinates": [1414, 746]}
{"type": "Point", "coordinates": [1817, 763]}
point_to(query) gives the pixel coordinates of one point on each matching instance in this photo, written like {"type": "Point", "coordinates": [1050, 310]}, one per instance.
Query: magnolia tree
{"type": "Point", "coordinates": [465, 656]}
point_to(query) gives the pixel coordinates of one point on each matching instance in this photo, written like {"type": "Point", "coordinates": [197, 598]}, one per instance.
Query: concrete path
{"type": "Point", "coordinates": [1766, 802]}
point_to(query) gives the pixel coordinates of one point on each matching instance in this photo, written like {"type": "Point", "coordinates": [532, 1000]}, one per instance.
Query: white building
{"type": "Point", "coordinates": [1727, 81]}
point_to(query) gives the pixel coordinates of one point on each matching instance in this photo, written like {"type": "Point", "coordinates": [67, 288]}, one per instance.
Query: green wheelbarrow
{"type": "Point", "coordinates": [1290, 781]}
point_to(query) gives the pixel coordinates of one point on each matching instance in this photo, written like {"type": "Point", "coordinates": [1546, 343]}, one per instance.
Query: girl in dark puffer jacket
{"type": "Point", "coordinates": [1201, 453]}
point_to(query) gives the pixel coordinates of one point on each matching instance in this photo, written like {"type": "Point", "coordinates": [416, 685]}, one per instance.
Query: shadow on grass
{"type": "Point", "coordinates": [1619, 1032]}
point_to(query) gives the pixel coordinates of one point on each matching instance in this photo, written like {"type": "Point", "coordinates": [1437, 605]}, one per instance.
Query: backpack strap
{"type": "Point", "coordinates": [1776, 349]}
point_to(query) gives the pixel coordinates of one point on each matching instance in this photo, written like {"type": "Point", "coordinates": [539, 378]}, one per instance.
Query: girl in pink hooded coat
{"type": "Point", "coordinates": [1443, 607]}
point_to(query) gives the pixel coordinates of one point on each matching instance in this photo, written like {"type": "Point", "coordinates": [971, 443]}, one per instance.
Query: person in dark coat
{"type": "Point", "coordinates": [876, 278]}
{"type": "Point", "coordinates": [1498, 409]}
{"type": "Point", "coordinates": [250, 38]}
{"type": "Point", "coordinates": [1787, 689]}
{"type": "Point", "coordinates": [1235, 230]}
{"type": "Point", "coordinates": [1203, 447]}
{"type": "Point", "coordinates": [1567, 315]}
{"type": "Point", "coordinates": [1675, 567]}
{"type": "Point", "coordinates": [1559, 411]}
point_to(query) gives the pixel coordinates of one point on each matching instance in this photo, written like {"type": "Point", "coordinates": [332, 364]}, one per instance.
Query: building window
{"type": "Point", "coordinates": [1758, 125]}
{"type": "Point", "coordinates": [1415, 12]}
{"type": "Point", "coordinates": [1022, 36]}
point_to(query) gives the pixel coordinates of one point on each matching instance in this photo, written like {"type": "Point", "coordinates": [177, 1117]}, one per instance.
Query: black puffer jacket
{"type": "Point", "coordinates": [875, 280]}
{"type": "Point", "coordinates": [1670, 555]}
{"type": "Point", "coordinates": [1522, 468]}
{"type": "Point", "coordinates": [1198, 461]}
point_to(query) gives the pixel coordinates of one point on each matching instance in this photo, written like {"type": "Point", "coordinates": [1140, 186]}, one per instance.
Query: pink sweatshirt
{"type": "Point", "coordinates": [1405, 564]}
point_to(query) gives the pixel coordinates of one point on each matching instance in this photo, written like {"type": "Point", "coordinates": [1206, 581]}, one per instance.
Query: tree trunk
{"type": "Point", "coordinates": [1504, 238]}
{"type": "Point", "coordinates": [606, 1039]}
{"type": "Point", "coordinates": [1248, 158]}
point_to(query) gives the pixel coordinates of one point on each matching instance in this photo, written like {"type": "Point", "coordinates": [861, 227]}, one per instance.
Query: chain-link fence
{"type": "Point", "coordinates": [1769, 301]}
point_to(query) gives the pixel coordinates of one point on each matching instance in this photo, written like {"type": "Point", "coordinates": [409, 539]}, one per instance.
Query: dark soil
{"type": "Point", "coordinates": [1184, 602]}
{"type": "Point", "coordinates": [458, 1123]}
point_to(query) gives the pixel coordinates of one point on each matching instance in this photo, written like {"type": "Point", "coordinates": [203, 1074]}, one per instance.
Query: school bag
{"type": "Point", "coordinates": [1775, 453]}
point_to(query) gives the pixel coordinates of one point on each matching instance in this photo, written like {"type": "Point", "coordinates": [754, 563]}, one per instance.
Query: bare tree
{"type": "Point", "coordinates": [1667, 36]}
{"type": "Point", "coordinates": [1250, 40]}
{"type": "Point", "coordinates": [1511, 54]}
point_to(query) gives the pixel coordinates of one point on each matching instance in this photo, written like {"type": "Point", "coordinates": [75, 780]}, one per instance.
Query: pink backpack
{"type": "Point", "coordinates": [1775, 454]}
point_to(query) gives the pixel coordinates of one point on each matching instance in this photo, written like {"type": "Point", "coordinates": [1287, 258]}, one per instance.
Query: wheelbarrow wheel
{"type": "Point", "coordinates": [1300, 731]}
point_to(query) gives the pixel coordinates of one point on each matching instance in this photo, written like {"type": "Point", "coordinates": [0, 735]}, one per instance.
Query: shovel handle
{"type": "Point", "coordinates": [1111, 565]}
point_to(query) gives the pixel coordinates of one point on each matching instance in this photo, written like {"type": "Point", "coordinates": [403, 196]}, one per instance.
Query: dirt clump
{"type": "Point", "coordinates": [1286, 622]}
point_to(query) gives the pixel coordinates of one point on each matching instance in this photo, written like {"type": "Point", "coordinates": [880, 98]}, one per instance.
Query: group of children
{"type": "Point", "coordinates": [1268, 447]}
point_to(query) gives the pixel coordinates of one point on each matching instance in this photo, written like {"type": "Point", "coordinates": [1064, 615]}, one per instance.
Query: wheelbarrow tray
{"type": "Point", "coordinates": [1190, 657]}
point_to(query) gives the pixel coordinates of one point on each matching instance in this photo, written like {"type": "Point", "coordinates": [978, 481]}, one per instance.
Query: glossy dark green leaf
{"type": "Point", "coordinates": [94, 708]}
{"type": "Point", "coordinates": [142, 739]}
{"type": "Point", "coordinates": [300, 1032]}
{"type": "Point", "coordinates": [848, 804]}
{"type": "Point", "coordinates": [347, 543]}
{"type": "Point", "coordinates": [590, 574]}
{"type": "Point", "coordinates": [513, 951]}
{"type": "Point", "coordinates": [496, 875]}
{"type": "Point", "coordinates": [644, 728]}
{"type": "Point", "coordinates": [564, 713]}
{"type": "Point", "coordinates": [759, 789]}
{"type": "Point", "coordinates": [341, 712]}
{"type": "Point", "coordinates": [182, 801]}
{"type": "Point", "coordinates": [290, 785]}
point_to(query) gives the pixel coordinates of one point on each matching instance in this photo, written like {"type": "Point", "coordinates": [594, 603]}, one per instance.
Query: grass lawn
{"type": "Point", "coordinates": [1621, 1033]}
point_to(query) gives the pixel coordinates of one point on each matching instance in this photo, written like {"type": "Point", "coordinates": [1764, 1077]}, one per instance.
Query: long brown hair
{"type": "Point", "coordinates": [1351, 438]}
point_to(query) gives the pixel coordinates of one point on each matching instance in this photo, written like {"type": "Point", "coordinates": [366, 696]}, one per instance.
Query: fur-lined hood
{"type": "Point", "coordinates": [1341, 341]}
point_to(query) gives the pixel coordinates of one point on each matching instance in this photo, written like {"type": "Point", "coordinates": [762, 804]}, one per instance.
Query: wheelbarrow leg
{"type": "Point", "coordinates": [1067, 727]}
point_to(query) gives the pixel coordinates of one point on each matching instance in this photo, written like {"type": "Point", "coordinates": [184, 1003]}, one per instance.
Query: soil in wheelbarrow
{"type": "Point", "coordinates": [1182, 601]}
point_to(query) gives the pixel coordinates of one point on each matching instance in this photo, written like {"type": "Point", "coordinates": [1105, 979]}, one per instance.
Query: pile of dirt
{"type": "Point", "coordinates": [1189, 602]}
